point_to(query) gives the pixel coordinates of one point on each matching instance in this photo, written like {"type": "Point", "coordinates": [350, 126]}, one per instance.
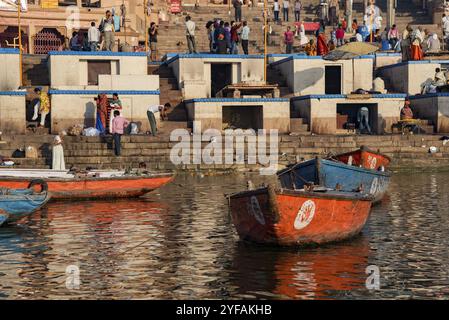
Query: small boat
{"type": "Point", "coordinates": [298, 217]}
{"type": "Point", "coordinates": [335, 175]}
{"type": "Point", "coordinates": [364, 157]}
{"type": "Point", "coordinates": [18, 203]}
{"type": "Point", "coordinates": [96, 184]}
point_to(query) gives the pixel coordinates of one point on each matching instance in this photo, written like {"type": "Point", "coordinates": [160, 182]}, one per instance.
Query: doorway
{"type": "Point", "coordinates": [242, 117]}
{"type": "Point", "coordinates": [221, 76]}
{"type": "Point", "coordinates": [347, 115]}
{"type": "Point", "coordinates": [332, 78]}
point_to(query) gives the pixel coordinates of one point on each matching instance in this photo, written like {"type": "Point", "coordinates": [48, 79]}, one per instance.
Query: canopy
{"type": "Point", "coordinates": [351, 50]}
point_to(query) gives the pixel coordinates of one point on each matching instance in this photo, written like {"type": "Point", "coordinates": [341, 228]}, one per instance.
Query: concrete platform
{"type": "Point", "coordinates": [433, 107]}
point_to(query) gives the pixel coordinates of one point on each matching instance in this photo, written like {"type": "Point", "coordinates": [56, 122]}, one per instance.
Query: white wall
{"type": "Point", "coordinates": [9, 70]}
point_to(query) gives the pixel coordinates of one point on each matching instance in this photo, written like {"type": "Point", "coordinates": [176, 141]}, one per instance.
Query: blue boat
{"type": "Point", "coordinates": [18, 203]}
{"type": "Point", "coordinates": [335, 175]}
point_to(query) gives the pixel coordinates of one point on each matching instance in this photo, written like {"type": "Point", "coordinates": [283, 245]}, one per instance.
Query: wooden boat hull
{"type": "Point", "coordinates": [364, 157]}
{"type": "Point", "coordinates": [336, 175]}
{"type": "Point", "coordinates": [16, 204]}
{"type": "Point", "coordinates": [95, 188]}
{"type": "Point", "coordinates": [290, 217]}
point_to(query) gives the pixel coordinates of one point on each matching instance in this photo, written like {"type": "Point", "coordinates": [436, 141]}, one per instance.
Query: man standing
{"type": "Point", "coordinates": [445, 23]}
{"type": "Point", "coordinates": [276, 9]}
{"type": "Point", "coordinates": [107, 25]}
{"type": "Point", "coordinates": [190, 35]}
{"type": "Point", "coordinates": [298, 7]}
{"type": "Point", "coordinates": [93, 36]}
{"type": "Point", "coordinates": [238, 10]}
{"type": "Point", "coordinates": [152, 35]}
{"type": "Point", "coordinates": [245, 37]}
{"type": "Point", "coordinates": [288, 38]}
{"type": "Point", "coordinates": [115, 106]}
{"type": "Point", "coordinates": [363, 119]}
{"type": "Point", "coordinates": [333, 10]}
{"type": "Point", "coordinates": [235, 37]}
{"type": "Point", "coordinates": [118, 126]}
{"type": "Point", "coordinates": [152, 119]}
{"type": "Point", "coordinates": [286, 5]}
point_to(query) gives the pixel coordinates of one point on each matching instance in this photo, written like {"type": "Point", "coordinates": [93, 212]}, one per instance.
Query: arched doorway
{"type": "Point", "coordinates": [48, 39]}
{"type": "Point", "coordinates": [10, 35]}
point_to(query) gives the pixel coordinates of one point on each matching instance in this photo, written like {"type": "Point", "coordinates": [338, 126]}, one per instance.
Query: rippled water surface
{"type": "Point", "coordinates": [179, 243]}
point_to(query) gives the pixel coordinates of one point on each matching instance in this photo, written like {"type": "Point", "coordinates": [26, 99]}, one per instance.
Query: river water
{"type": "Point", "coordinates": [179, 243]}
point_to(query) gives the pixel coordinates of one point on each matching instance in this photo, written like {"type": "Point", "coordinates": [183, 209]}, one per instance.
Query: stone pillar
{"type": "Point", "coordinates": [79, 3]}
{"type": "Point", "coordinates": [348, 15]}
{"type": "Point", "coordinates": [391, 12]}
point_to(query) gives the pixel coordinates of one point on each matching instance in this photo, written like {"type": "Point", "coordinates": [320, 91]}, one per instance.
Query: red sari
{"type": "Point", "coordinates": [102, 108]}
{"type": "Point", "coordinates": [322, 48]}
{"type": "Point", "coordinates": [416, 51]}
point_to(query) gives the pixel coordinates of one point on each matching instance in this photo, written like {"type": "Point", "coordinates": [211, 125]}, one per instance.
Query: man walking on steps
{"type": "Point", "coordinates": [118, 126]}
{"type": "Point", "coordinates": [190, 35]}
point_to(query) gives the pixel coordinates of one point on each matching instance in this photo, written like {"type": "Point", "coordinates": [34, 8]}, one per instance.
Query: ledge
{"type": "Point", "coordinates": [13, 93]}
{"type": "Point", "coordinates": [345, 96]}
{"type": "Point", "coordinates": [200, 100]}
{"type": "Point", "coordinates": [429, 95]}
{"type": "Point", "coordinates": [9, 51]}
{"type": "Point", "coordinates": [212, 56]}
{"type": "Point", "coordinates": [95, 92]}
{"type": "Point", "coordinates": [97, 53]}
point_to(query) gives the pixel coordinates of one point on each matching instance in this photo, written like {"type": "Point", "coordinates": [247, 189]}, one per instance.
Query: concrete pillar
{"type": "Point", "coordinates": [391, 12]}
{"type": "Point", "coordinates": [79, 3]}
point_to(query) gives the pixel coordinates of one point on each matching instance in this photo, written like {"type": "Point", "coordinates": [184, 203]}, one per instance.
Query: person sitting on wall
{"type": "Point", "coordinates": [363, 120]}
{"type": "Point", "coordinates": [432, 86]}
{"type": "Point", "coordinates": [406, 111]}
{"type": "Point", "coordinates": [310, 48]}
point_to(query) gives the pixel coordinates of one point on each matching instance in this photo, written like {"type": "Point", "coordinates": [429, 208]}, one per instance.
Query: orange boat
{"type": "Point", "coordinates": [64, 185]}
{"type": "Point", "coordinates": [297, 217]}
{"type": "Point", "coordinates": [364, 157]}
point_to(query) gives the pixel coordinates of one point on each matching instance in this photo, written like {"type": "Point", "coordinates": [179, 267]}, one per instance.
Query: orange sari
{"type": "Point", "coordinates": [416, 51]}
{"type": "Point", "coordinates": [322, 48]}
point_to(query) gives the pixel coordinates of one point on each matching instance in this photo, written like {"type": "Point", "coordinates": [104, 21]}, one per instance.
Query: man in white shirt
{"type": "Point", "coordinates": [190, 35]}
{"type": "Point", "coordinates": [151, 117]}
{"type": "Point", "coordinates": [245, 37]}
{"type": "Point", "coordinates": [93, 35]}
{"type": "Point", "coordinates": [107, 25]}
{"type": "Point", "coordinates": [286, 5]}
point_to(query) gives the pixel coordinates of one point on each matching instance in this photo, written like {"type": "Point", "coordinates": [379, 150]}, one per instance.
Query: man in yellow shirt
{"type": "Point", "coordinates": [43, 105]}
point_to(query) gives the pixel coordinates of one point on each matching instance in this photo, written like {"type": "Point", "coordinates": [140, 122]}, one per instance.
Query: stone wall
{"type": "Point", "coordinates": [408, 77]}
{"type": "Point", "coordinates": [9, 69]}
{"type": "Point", "coordinates": [78, 107]}
{"type": "Point", "coordinates": [12, 112]}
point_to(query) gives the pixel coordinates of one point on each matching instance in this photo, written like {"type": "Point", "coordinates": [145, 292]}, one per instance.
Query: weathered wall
{"type": "Point", "coordinates": [433, 107]}
{"type": "Point", "coordinates": [68, 68]}
{"type": "Point", "coordinates": [306, 75]}
{"type": "Point", "coordinates": [12, 112]}
{"type": "Point", "coordinates": [387, 59]}
{"type": "Point", "coordinates": [9, 69]}
{"type": "Point", "coordinates": [276, 112]}
{"type": "Point", "coordinates": [128, 82]}
{"type": "Point", "coordinates": [78, 107]}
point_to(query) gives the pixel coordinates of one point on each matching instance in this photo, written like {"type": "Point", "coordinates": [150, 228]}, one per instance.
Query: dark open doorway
{"type": "Point", "coordinates": [242, 117]}
{"type": "Point", "coordinates": [347, 114]}
{"type": "Point", "coordinates": [332, 78]}
{"type": "Point", "coordinates": [221, 76]}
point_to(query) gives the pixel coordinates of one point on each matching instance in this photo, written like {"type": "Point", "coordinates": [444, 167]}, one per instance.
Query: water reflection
{"type": "Point", "coordinates": [180, 243]}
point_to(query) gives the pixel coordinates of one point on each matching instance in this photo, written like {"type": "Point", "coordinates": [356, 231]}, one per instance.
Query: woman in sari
{"type": "Point", "coordinates": [415, 48]}
{"type": "Point", "coordinates": [102, 112]}
{"type": "Point", "coordinates": [322, 48]}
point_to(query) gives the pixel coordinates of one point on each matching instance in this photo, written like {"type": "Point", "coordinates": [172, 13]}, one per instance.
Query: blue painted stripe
{"type": "Point", "coordinates": [213, 56]}
{"type": "Point", "coordinates": [429, 95]}
{"type": "Point", "coordinates": [13, 93]}
{"type": "Point", "coordinates": [9, 51]}
{"type": "Point", "coordinates": [97, 53]}
{"type": "Point", "coordinates": [399, 64]}
{"type": "Point", "coordinates": [388, 54]}
{"type": "Point", "coordinates": [344, 96]}
{"type": "Point", "coordinates": [120, 92]}
{"type": "Point", "coordinates": [199, 100]}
